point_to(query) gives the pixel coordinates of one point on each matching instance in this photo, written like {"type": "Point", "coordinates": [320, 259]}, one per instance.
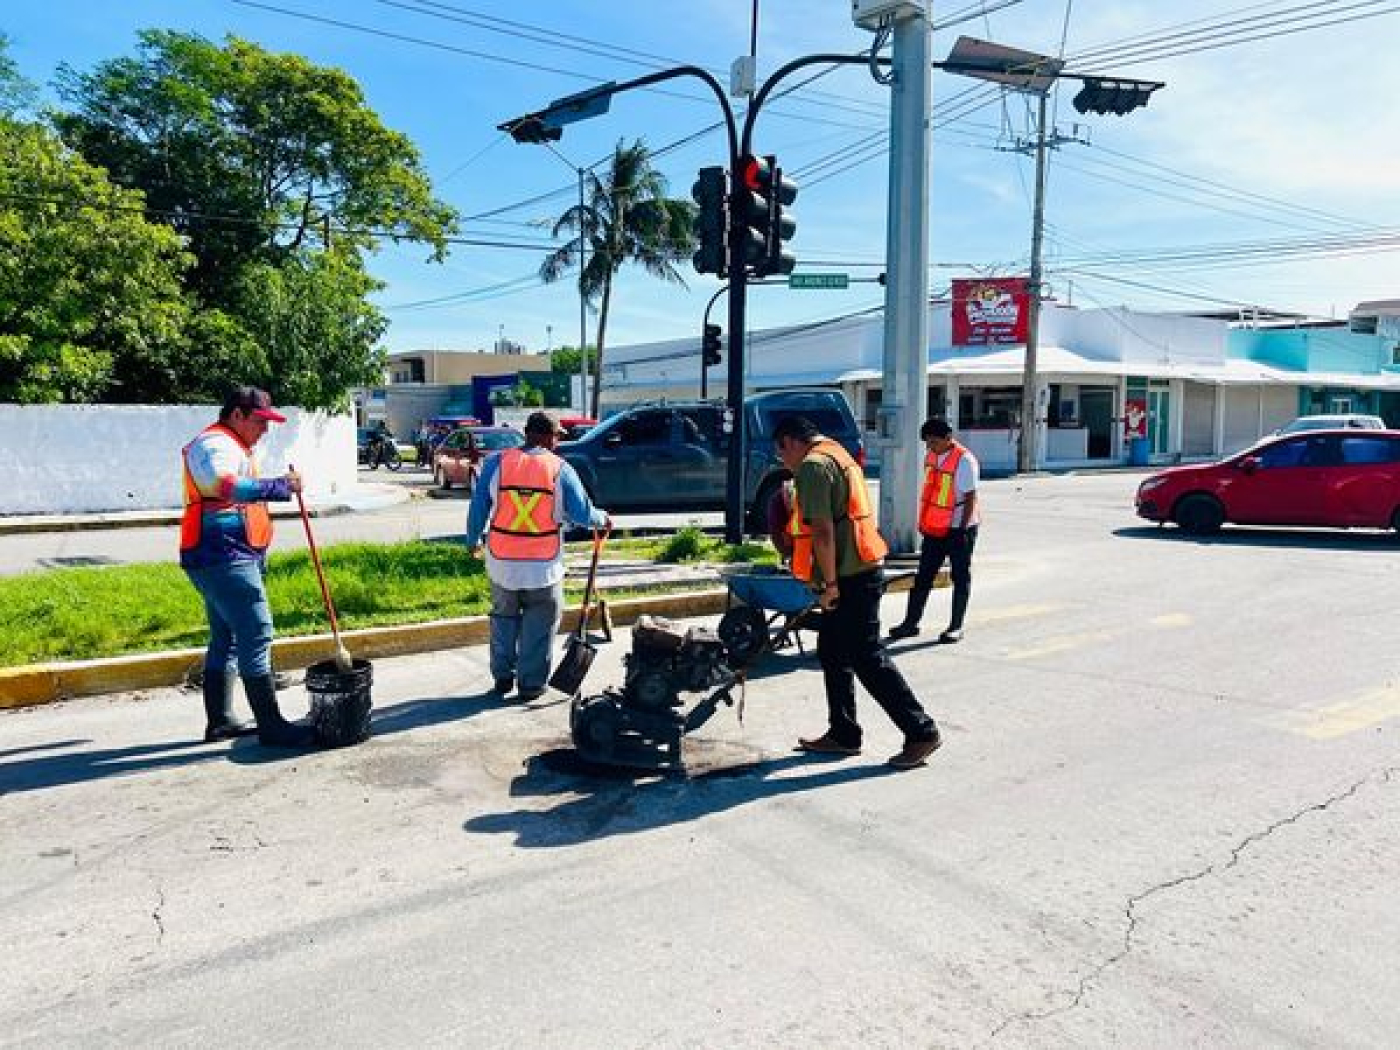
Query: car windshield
{"type": "Point", "coordinates": [495, 440]}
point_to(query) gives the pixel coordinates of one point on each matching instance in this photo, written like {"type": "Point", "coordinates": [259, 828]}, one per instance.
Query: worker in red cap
{"type": "Point", "coordinates": [224, 535]}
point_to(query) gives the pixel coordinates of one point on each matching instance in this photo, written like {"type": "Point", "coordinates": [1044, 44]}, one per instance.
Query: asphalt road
{"type": "Point", "coordinates": [1164, 816]}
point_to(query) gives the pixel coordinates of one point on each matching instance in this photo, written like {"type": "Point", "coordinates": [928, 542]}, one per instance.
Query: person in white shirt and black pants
{"type": "Point", "coordinates": [948, 520]}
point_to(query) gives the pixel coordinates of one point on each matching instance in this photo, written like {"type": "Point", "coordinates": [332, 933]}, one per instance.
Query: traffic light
{"type": "Point", "coordinates": [711, 222]}
{"type": "Point", "coordinates": [533, 131]}
{"type": "Point", "coordinates": [764, 193]}
{"type": "Point", "coordinates": [1109, 95]}
{"type": "Point", "coordinates": [709, 345]}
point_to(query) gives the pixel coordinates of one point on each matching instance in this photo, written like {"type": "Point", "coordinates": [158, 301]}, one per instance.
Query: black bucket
{"type": "Point", "coordinates": [340, 702]}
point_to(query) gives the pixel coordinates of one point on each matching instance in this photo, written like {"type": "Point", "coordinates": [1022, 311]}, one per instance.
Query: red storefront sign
{"type": "Point", "coordinates": [990, 311]}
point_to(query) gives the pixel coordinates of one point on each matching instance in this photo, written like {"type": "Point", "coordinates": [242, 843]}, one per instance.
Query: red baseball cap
{"type": "Point", "coordinates": [253, 402]}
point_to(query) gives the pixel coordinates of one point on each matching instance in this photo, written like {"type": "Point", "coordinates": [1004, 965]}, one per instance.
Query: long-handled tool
{"type": "Point", "coordinates": [342, 654]}
{"type": "Point", "coordinates": [579, 651]}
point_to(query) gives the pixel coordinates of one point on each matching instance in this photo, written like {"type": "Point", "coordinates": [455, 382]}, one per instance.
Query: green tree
{"type": "Point", "coordinates": [627, 219]}
{"type": "Point", "coordinates": [90, 294]}
{"type": "Point", "coordinates": [565, 360]}
{"type": "Point", "coordinates": [17, 92]}
{"type": "Point", "coordinates": [261, 160]}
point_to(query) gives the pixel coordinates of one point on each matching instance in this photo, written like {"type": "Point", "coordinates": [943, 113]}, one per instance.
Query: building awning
{"type": "Point", "coordinates": [1055, 361]}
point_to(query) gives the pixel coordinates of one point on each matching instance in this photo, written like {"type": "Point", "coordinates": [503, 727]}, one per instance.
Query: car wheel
{"type": "Point", "coordinates": [1395, 522]}
{"type": "Point", "coordinates": [1199, 515]}
{"type": "Point", "coordinates": [393, 459]}
{"type": "Point", "coordinates": [440, 479]}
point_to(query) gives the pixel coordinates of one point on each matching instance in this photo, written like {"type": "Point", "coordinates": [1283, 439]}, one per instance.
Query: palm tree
{"type": "Point", "coordinates": [627, 219]}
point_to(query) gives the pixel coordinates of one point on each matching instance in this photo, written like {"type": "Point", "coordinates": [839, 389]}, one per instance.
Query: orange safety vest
{"type": "Point", "coordinates": [938, 498]}
{"type": "Point", "coordinates": [523, 524]}
{"type": "Point", "coordinates": [257, 522]}
{"type": "Point", "coordinates": [870, 545]}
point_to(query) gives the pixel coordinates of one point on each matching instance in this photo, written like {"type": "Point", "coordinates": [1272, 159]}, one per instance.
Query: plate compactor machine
{"type": "Point", "coordinates": [641, 724]}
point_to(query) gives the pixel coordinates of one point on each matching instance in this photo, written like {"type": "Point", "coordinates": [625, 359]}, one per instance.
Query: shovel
{"type": "Point", "coordinates": [579, 651]}
{"type": "Point", "coordinates": [342, 655]}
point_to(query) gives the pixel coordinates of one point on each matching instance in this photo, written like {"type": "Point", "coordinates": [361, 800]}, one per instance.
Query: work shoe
{"type": "Point", "coordinates": [951, 636]}
{"type": "Point", "coordinates": [218, 709]}
{"type": "Point", "coordinates": [916, 752]}
{"type": "Point", "coordinates": [273, 729]}
{"type": "Point", "coordinates": [504, 684]}
{"type": "Point", "coordinates": [904, 630]}
{"type": "Point", "coordinates": [826, 744]}
{"type": "Point", "coordinates": [529, 696]}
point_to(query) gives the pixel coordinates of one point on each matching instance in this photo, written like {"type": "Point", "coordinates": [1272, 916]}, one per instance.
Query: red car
{"type": "Point", "coordinates": [1337, 478]}
{"type": "Point", "coordinates": [458, 458]}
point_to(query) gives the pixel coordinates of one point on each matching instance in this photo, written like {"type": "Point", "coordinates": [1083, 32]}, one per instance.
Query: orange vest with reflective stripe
{"type": "Point", "coordinates": [257, 521]}
{"type": "Point", "coordinates": [523, 525]}
{"type": "Point", "coordinates": [870, 545]}
{"type": "Point", "coordinates": [938, 499]}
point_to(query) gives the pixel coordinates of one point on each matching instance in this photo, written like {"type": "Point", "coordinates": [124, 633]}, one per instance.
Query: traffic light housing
{"type": "Point", "coordinates": [711, 221]}
{"type": "Point", "coordinates": [1113, 95]}
{"type": "Point", "coordinates": [762, 194]}
{"type": "Point", "coordinates": [710, 345]}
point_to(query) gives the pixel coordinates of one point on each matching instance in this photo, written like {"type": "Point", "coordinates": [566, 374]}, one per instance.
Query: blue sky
{"type": "Point", "coordinates": [1220, 192]}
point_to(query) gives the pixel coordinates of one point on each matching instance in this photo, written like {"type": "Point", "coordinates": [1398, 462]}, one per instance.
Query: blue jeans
{"type": "Point", "coordinates": [240, 618]}
{"type": "Point", "coordinates": [523, 625]}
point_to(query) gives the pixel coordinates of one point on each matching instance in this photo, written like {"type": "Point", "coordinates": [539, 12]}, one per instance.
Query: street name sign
{"type": "Point", "coordinates": [818, 280]}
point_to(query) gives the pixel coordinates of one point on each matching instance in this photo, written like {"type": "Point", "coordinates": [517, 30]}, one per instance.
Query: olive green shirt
{"type": "Point", "coordinates": [824, 494]}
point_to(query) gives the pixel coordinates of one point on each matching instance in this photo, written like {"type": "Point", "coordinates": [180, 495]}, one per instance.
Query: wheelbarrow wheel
{"type": "Point", "coordinates": [744, 632]}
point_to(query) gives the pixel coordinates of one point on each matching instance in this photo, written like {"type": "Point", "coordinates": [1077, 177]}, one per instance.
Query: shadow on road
{"type": "Point", "coordinates": [611, 802]}
{"type": "Point", "coordinates": [35, 774]}
{"type": "Point", "coordinates": [1297, 539]}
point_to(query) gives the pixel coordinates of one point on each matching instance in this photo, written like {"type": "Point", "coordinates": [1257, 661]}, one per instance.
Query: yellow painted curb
{"type": "Point", "coordinates": [45, 683]}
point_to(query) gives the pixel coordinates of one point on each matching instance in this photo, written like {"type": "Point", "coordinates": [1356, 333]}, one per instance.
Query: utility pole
{"type": "Point", "coordinates": [905, 365]}
{"type": "Point", "coordinates": [1027, 454]}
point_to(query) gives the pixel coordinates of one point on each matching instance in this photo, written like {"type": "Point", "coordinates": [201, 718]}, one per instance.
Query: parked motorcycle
{"type": "Point", "coordinates": [382, 449]}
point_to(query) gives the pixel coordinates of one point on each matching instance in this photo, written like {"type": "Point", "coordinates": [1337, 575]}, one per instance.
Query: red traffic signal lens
{"type": "Point", "coordinates": [755, 174]}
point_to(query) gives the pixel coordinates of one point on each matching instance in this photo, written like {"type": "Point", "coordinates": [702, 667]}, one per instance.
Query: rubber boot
{"type": "Point", "coordinates": [218, 709]}
{"type": "Point", "coordinates": [273, 729]}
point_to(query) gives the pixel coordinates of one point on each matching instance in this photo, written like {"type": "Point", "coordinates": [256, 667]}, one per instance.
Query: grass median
{"type": "Point", "coordinates": [81, 614]}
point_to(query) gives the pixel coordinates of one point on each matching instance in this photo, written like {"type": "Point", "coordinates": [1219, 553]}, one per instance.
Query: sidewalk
{"type": "Point", "coordinates": [361, 497]}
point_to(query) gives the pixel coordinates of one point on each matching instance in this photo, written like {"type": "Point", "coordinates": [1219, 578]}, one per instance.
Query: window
{"type": "Point", "coordinates": [1369, 450]}
{"type": "Point", "coordinates": [1284, 454]}
{"type": "Point", "coordinates": [495, 440]}
{"type": "Point", "coordinates": [874, 397]}
{"type": "Point", "coordinates": [646, 428]}
{"type": "Point", "coordinates": [700, 426]}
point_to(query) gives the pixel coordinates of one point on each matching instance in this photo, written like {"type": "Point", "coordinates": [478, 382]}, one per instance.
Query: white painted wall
{"type": "Point", "coordinates": [76, 459]}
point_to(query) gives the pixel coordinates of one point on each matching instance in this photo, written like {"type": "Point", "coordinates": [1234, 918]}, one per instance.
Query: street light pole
{"type": "Point", "coordinates": [905, 358]}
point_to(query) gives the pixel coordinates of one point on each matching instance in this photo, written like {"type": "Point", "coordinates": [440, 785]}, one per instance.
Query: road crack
{"type": "Point", "coordinates": [156, 916]}
{"type": "Point", "coordinates": [1131, 907]}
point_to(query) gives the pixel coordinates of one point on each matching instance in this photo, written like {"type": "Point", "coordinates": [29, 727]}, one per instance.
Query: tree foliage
{"type": "Point", "coordinates": [280, 178]}
{"type": "Point", "coordinates": [627, 219]}
{"type": "Point", "coordinates": [90, 295]}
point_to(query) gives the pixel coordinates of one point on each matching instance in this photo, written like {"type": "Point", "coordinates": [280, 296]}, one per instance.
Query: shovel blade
{"type": "Point", "coordinates": [573, 668]}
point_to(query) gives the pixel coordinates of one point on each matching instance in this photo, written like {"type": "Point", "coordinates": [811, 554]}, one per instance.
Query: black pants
{"type": "Point", "coordinates": [848, 646]}
{"type": "Point", "coordinates": [956, 548]}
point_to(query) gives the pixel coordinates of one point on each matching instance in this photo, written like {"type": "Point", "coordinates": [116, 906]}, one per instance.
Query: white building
{"type": "Point", "coordinates": [1209, 385]}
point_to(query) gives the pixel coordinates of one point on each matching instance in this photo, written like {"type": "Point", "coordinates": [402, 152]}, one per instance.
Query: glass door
{"type": "Point", "coordinates": [1159, 417]}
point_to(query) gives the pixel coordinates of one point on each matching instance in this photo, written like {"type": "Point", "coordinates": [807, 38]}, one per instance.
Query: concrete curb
{"type": "Point", "coordinates": [39, 684]}
{"type": "Point", "coordinates": [19, 525]}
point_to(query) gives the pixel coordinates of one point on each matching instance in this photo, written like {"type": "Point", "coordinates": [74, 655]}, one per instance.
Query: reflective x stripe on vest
{"type": "Point", "coordinates": [938, 501]}
{"type": "Point", "coordinates": [870, 545]}
{"type": "Point", "coordinates": [524, 526]}
{"type": "Point", "coordinates": [257, 521]}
